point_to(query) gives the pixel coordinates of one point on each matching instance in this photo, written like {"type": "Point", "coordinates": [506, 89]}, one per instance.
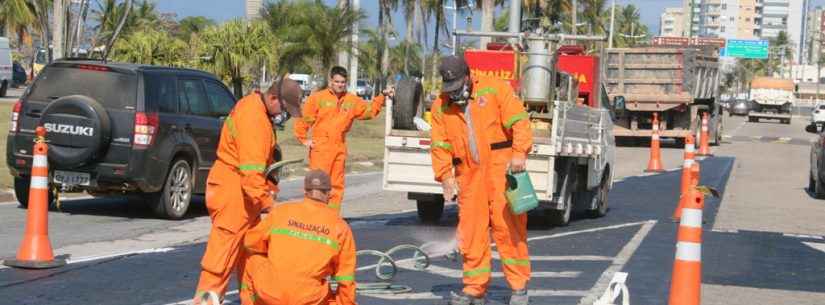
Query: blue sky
{"type": "Point", "coordinates": [222, 10]}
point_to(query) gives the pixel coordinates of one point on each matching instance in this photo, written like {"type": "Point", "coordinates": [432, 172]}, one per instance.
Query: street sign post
{"type": "Point", "coordinates": [742, 48]}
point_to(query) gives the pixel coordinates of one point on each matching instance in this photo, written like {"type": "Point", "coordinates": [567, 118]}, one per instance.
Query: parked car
{"type": "Point", "coordinates": [818, 114]}
{"type": "Point", "coordinates": [6, 66]}
{"type": "Point", "coordinates": [739, 107]}
{"type": "Point", "coordinates": [18, 75]}
{"type": "Point", "coordinates": [816, 175]}
{"type": "Point", "coordinates": [363, 89]}
{"type": "Point", "coordinates": [121, 128]}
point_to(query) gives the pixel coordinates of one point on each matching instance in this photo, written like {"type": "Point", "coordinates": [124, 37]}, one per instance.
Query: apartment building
{"type": "Point", "coordinates": [748, 19]}
{"type": "Point", "coordinates": [814, 36]}
{"type": "Point", "coordinates": [671, 23]}
{"type": "Point", "coordinates": [253, 8]}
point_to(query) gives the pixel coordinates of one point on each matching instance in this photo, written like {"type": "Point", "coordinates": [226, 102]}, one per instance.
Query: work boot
{"type": "Point", "coordinates": [519, 297]}
{"type": "Point", "coordinates": [465, 299]}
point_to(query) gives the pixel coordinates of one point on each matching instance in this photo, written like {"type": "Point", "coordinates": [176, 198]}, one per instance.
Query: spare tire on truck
{"type": "Point", "coordinates": [405, 104]}
{"type": "Point", "coordinates": [78, 130]}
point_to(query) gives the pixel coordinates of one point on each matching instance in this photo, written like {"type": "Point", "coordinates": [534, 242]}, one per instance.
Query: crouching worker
{"type": "Point", "coordinates": [295, 250]}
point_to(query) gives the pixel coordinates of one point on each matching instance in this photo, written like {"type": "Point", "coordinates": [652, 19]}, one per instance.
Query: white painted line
{"type": "Point", "coordinates": [725, 231]}
{"type": "Point", "coordinates": [818, 246]}
{"type": "Point", "coordinates": [803, 236]}
{"type": "Point", "coordinates": [624, 255]}
{"type": "Point", "coordinates": [495, 293]}
{"type": "Point", "coordinates": [112, 255]}
{"type": "Point", "coordinates": [84, 197]}
{"type": "Point", "coordinates": [189, 301]}
{"type": "Point", "coordinates": [561, 258]}
{"type": "Point", "coordinates": [457, 273]}
{"type": "Point", "coordinates": [631, 224]}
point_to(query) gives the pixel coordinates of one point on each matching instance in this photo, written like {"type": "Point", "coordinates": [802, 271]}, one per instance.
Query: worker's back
{"type": "Point", "coordinates": [305, 242]}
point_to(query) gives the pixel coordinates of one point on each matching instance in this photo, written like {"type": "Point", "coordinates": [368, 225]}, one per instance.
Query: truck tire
{"type": "Point", "coordinates": [599, 198]}
{"type": "Point", "coordinates": [561, 217]}
{"type": "Point", "coordinates": [4, 89]}
{"type": "Point", "coordinates": [21, 192]}
{"type": "Point", "coordinates": [83, 131]}
{"type": "Point", "coordinates": [430, 210]}
{"type": "Point", "coordinates": [173, 200]}
{"type": "Point", "coordinates": [816, 188]}
{"type": "Point", "coordinates": [405, 104]}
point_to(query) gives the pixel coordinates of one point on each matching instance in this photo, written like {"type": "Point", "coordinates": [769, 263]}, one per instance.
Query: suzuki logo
{"type": "Point", "coordinates": [69, 129]}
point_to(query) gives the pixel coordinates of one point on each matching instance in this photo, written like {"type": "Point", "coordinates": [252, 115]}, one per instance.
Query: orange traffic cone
{"type": "Point", "coordinates": [655, 163]}
{"type": "Point", "coordinates": [694, 175]}
{"type": "Point", "coordinates": [704, 147]}
{"type": "Point", "coordinates": [36, 250]}
{"type": "Point", "coordinates": [686, 281]}
{"type": "Point", "coordinates": [688, 162]}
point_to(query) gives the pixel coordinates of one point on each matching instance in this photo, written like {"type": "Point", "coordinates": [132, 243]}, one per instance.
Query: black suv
{"type": "Point", "coordinates": [121, 128]}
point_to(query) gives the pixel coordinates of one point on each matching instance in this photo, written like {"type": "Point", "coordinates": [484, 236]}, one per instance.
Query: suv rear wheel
{"type": "Point", "coordinates": [4, 89]}
{"type": "Point", "coordinates": [21, 191]}
{"type": "Point", "coordinates": [173, 201]}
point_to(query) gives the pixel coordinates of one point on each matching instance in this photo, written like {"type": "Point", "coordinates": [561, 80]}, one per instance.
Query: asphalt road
{"type": "Point", "coordinates": [763, 239]}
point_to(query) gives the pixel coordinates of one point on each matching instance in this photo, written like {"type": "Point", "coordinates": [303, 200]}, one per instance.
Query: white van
{"type": "Point", "coordinates": [5, 66]}
{"type": "Point", "coordinates": [303, 81]}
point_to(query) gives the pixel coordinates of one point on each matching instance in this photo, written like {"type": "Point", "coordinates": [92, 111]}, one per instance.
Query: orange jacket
{"type": "Point", "coordinates": [245, 150]}
{"type": "Point", "coordinates": [330, 117]}
{"type": "Point", "coordinates": [320, 245]}
{"type": "Point", "coordinates": [498, 117]}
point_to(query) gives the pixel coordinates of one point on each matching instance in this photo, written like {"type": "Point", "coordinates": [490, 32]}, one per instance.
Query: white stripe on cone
{"type": "Point", "coordinates": [691, 218]}
{"type": "Point", "coordinates": [40, 161]}
{"type": "Point", "coordinates": [690, 148]}
{"type": "Point", "coordinates": [689, 251]}
{"type": "Point", "coordinates": [40, 183]}
{"type": "Point", "coordinates": [688, 163]}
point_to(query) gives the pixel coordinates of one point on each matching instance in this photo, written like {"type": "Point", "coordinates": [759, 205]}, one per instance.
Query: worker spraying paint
{"type": "Point", "coordinates": [329, 114]}
{"type": "Point", "coordinates": [480, 131]}
{"type": "Point", "coordinates": [236, 189]}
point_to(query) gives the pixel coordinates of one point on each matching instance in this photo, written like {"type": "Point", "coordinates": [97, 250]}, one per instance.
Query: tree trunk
{"type": "Point", "coordinates": [410, 19]}
{"type": "Point", "coordinates": [122, 22]}
{"type": "Point", "coordinates": [385, 54]}
{"type": "Point", "coordinates": [487, 15]}
{"type": "Point", "coordinates": [343, 56]}
{"type": "Point", "coordinates": [438, 16]}
{"type": "Point", "coordinates": [380, 48]}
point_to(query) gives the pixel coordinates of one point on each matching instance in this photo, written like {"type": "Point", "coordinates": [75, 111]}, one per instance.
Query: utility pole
{"type": "Point", "coordinates": [353, 69]}
{"type": "Point", "coordinates": [343, 55]}
{"type": "Point", "coordinates": [818, 64]}
{"type": "Point", "coordinates": [574, 13]}
{"type": "Point", "coordinates": [57, 26]}
{"type": "Point", "coordinates": [515, 19]}
{"type": "Point", "coordinates": [612, 23]}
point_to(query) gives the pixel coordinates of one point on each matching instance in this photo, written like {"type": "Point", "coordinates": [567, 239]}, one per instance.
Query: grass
{"type": "Point", "coordinates": [6, 181]}
{"type": "Point", "coordinates": [365, 142]}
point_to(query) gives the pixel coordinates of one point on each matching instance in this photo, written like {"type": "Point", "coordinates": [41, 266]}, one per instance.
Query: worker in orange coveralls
{"type": "Point", "coordinates": [236, 189]}
{"type": "Point", "coordinates": [480, 130]}
{"type": "Point", "coordinates": [329, 115]}
{"type": "Point", "coordinates": [297, 248]}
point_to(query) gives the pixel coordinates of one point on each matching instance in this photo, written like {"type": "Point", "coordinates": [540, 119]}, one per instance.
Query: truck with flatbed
{"type": "Point", "coordinates": [771, 99]}
{"type": "Point", "coordinates": [679, 82]}
{"type": "Point", "coordinates": [572, 160]}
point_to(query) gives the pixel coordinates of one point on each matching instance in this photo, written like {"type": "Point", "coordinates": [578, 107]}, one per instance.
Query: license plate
{"type": "Point", "coordinates": [72, 178]}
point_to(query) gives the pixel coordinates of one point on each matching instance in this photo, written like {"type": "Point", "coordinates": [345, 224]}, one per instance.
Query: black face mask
{"type": "Point", "coordinates": [279, 120]}
{"type": "Point", "coordinates": [461, 96]}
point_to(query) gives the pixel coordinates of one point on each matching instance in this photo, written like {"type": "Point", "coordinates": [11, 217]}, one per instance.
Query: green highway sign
{"type": "Point", "coordinates": [742, 48]}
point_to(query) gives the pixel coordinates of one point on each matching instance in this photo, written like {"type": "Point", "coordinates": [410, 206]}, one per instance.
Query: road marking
{"type": "Point", "coordinates": [631, 224]}
{"type": "Point", "coordinates": [818, 246]}
{"type": "Point", "coordinates": [803, 236]}
{"type": "Point", "coordinates": [725, 231]}
{"type": "Point", "coordinates": [457, 273]}
{"type": "Point", "coordinates": [112, 255]}
{"type": "Point", "coordinates": [84, 197]}
{"type": "Point", "coordinates": [618, 263]}
{"type": "Point", "coordinates": [563, 258]}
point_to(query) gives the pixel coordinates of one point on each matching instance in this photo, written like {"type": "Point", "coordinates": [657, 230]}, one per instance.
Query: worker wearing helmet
{"type": "Point", "coordinates": [329, 114]}
{"type": "Point", "coordinates": [480, 130]}
{"type": "Point", "coordinates": [297, 248]}
{"type": "Point", "coordinates": [236, 189]}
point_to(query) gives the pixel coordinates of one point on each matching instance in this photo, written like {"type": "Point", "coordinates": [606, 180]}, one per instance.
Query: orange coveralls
{"type": "Point", "coordinates": [236, 190]}
{"type": "Point", "coordinates": [293, 251]}
{"type": "Point", "coordinates": [501, 130]}
{"type": "Point", "coordinates": [330, 118]}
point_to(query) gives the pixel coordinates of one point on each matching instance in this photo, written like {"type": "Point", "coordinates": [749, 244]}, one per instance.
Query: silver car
{"type": "Point", "coordinates": [739, 107]}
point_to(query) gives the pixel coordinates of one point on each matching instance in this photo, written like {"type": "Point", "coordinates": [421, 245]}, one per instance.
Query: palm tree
{"type": "Point", "coordinates": [18, 15]}
{"type": "Point", "coordinates": [127, 9]}
{"type": "Point", "coordinates": [310, 32]}
{"type": "Point", "coordinates": [152, 47]}
{"type": "Point", "coordinates": [436, 8]}
{"type": "Point", "coordinates": [629, 26]}
{"type": "Point", "coordinates": [235, 47]}
{"type": "Point", "coordinates": [192, 25]}
{"type": "Point", "coordinates": [108, 14]}
{"type": "Point", "coordinates": [385, 9]}
{"type": "Point", "coordinates": [596, 16]}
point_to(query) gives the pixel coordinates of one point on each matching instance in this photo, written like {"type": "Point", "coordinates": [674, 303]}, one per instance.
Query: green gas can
{"type": "Point", "coordinates": [520, 193]}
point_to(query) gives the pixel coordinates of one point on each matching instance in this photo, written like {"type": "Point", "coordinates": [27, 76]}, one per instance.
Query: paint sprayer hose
{"type": "Point", "coordinates": [387, 268]}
